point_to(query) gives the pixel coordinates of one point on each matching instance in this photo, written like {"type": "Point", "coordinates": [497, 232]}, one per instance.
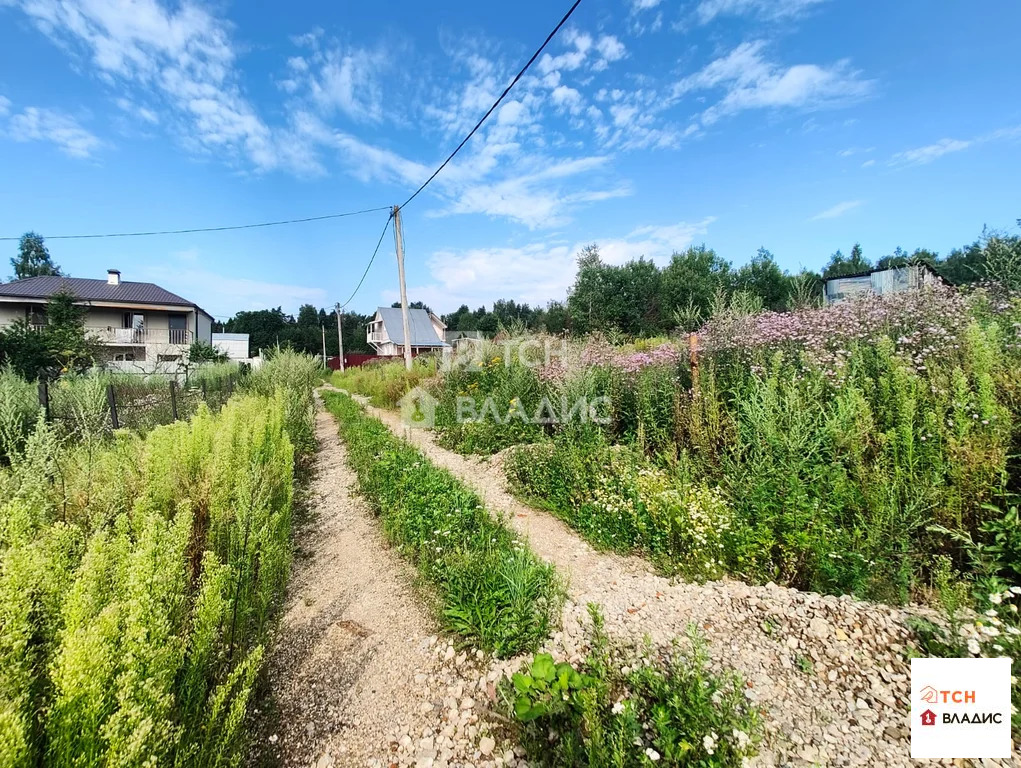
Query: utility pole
{"type": "Point", "coordinates": [340, 336]}
{"type": "Point", "coordinates": [323, 328]}
{"type": "Point", "coordinates": [399, 242]}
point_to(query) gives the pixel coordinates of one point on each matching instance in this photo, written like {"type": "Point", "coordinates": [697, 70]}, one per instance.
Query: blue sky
{"type": "Point", "coordinates": [798, 125]}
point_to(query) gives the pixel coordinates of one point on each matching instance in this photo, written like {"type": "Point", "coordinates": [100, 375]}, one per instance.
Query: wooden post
{"type": "Point", "coordinates": [173, 398]}
{"type": "Point", "coordinates": [693, 360]}
{"type": "Point", "coordinates": [205, 397]}
{"type": "Point", "coordinates": [111, 400]}
{"type": "Point", "coordinates": [340, 336]}
{"type": "Point", "coordinates": [44, 398]}
{"type": "Point", "coordinates": [399, 243]}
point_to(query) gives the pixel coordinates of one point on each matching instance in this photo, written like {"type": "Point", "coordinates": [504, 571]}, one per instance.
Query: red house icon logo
{"type": "Point", "coordinates": [928, 717]}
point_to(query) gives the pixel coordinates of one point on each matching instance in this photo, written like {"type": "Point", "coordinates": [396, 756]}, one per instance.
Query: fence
{"type": "Point", "coordinates": [139, 406]}
{"type": "Point", "coordinates": [351, 360]}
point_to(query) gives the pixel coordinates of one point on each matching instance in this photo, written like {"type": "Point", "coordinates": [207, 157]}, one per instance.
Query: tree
{"type": "Point", "coordinates": [263, 327]}
{"type": "Point", "coordinates": [202, 351]}
{"type": "Point", "coordinates": [33, 259]}
{"type": "Point", "coordinates": [762, 277]}
{"type": "Point", "coordinates": [60, 346]}
{"type": "Point", "coordinates": [689, 283]}
{"type": "Point", "coordinates": [308, 316]}
{"type": "Point", "coordinates": [586, 295]}
{"type": "Point", "coordinates": [840, 265]}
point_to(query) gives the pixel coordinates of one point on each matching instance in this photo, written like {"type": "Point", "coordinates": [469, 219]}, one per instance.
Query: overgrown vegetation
{"type": "Point", "coordinates": [138, 579]}
{"type": "Point", "coordinates": [627, 707]}
{"type": "Point", "coordinates": [490, 589]}
{"type": "Point", "coordinates": [385, 383]}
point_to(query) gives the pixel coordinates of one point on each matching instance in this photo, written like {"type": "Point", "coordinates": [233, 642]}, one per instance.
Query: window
{"type": "Point", "coordinates": [37, 315]}
{"type": "Point", "coordinates": [135, 320]}
{"type": "Point", "coordinates": [124, 357]}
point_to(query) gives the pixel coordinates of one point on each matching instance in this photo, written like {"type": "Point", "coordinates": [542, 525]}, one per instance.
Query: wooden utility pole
{"type": "Point", "coordinates": [323, 329]}
{"type": "Point", "coordinates": [399, 242]}
{"type": "Point", "coordinates": [340, 336]}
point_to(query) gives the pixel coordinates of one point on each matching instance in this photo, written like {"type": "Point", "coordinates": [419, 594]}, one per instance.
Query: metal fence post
{"type": "Point", "coordinates": [44, 398]}
{"type": "Point", "coordinates": [173, 399]}
{"type": "Point", "coordinates": [111, 400]}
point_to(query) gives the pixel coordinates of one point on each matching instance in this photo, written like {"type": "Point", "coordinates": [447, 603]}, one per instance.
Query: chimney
{"type": "Point", "coordinates": [113, 277]}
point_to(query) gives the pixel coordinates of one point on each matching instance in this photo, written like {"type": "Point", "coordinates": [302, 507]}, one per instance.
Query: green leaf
{"type": "Point", "coordinates": [543, 668]}
{"type": "Point", "coordinates": [522, 683]}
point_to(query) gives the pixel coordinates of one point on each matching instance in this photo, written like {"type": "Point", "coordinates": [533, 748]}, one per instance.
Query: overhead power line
{"type": "Point", "coordinates": [211, 229]}
{"type": "Point", "coordinates": [371, 259]}
{"type": "Point", "coordinates": [496, 103]}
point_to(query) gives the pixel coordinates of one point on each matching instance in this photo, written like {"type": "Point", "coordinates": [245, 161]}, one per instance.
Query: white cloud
{"type": "Point", "coordinates": [5, 105]}
{"type": "Point", "coordinates": [752, 82]}
{"type": "Point", "coordinates": [339, 78]}
{"type": "Point", "coordinates": [851, 151]}
{"type": "Point", "coordinates": [144, 113]}
{"type": "Point", "coordinates": [644, 5]}
{"type": "Point", "coordinates": [708, 10]}
{"type": "Point", "coordinates": [39, 124]}
{"type": "Point", "coordinates": [837, 210]}
{"type": "Point", "coordinates": [540, 271]}
{"type": "Point", "coordinates": [930, 152]}
{"type": "Point", "coordinates": [182, 58]}
{"type": "Point", "coordinates": [536, 199]}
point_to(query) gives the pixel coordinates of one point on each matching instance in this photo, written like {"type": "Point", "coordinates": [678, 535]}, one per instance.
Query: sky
{"type": "Point", "coordinates": [801, 126]}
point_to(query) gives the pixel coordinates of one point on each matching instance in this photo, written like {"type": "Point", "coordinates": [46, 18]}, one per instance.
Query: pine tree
{"type": "Point", "coordinates": [33, 259]}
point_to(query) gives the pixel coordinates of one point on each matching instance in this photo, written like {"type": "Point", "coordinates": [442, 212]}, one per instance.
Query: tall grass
{"type": "Point", "coordinates": [138, 579]}
{"type": "Point", "coordinates": [386, 382]}
{"type": "Point", "coordinates": [828, 449]}
{"type": "Point", "coordinates": [491, 590]}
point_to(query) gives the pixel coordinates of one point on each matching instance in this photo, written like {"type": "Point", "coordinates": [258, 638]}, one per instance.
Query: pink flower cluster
{"type": "Point", "coordinates": [664, 354]}
{"type": "Point", "coordinates": [922, 324]}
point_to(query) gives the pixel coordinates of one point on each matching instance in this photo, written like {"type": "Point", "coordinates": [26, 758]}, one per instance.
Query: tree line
{"type": "Point", "coordinates": [638, 298]}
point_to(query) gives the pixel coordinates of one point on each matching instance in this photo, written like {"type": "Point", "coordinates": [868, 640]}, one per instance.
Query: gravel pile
{"type": "Point", "coordinates": [830, 674]}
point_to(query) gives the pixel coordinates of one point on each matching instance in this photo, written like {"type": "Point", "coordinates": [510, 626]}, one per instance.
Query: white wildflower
{"type": "Point", "coordinates": [995, 598]}
{"type": "Point", "coordinates": [973, 647]}
{"type": "Point", "coordinates": [618, 708]}
{"type": "Point", "coordinates": [652, 754]}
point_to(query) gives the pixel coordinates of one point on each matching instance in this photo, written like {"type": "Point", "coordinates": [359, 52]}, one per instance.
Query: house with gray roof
{"type": "Point", "coordinates": [140, 326]}
{"type": "Point", "coordinates": [385, 332]}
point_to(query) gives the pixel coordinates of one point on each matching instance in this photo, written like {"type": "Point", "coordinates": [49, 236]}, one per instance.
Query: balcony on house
{"type": "Point", "coordinates": [140, 336]}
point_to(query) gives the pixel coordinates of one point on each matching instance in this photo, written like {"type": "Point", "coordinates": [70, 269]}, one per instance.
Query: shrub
{"type": "Point", "coordinates": [294, 375]}
{"type": "Point", "coordinates": [673, 713]}
{"type": "Point", "coordinates": [385, 382]}
{"type": "Point", "coordinates": [138, 581]}
{"type": "Point", "coordinates": [491, 590]}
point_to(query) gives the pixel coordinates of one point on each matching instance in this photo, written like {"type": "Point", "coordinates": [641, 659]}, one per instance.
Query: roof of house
{"type": "Point", "coordinates": [868, 272]}
{"type": "Point", "coordinates": [89, 289]}
{"type": "Point", "coordinates": [423, 334]}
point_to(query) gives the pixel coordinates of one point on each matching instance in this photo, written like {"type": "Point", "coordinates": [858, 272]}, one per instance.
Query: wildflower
{"type": "Point", "coordinates": [1015, 590]}
{"type": "Point", "coordinates": [973, 647]}
{"type": "Point", "coordinates": [652, 754]}
{"type": "Point", "coordinates": [995, 598]}
{"type": "Point", "coordinates": [618, 708]}
{"type": "Point", "coordinates": [709, 743]}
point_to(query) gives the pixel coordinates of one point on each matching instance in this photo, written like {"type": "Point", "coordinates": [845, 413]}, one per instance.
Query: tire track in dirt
{"type": "Point", "coordinates": [357, 674]}
{"type": "Point", "coordinates": [830, 673]}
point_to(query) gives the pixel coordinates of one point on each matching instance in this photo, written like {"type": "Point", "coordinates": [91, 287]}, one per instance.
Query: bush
{"type": "Point", "coordinates": [137, 587]}
{"type": "Point", "coordinates": [601, 715]}
{"type": "Point", "coordinates": [294, 375]}
{"type": "Point", "coordinates": [491, 590]}
{"type": "Point", "coordinates": [386, 381]}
